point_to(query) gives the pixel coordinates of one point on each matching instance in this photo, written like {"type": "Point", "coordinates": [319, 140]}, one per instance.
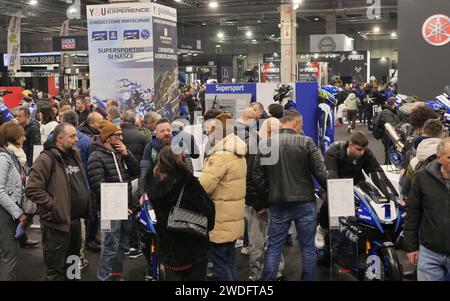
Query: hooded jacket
{"type": "Point", "coordinates": [102, 169]}
{"type": "Point", "coordinates": [351, 102]}
{"type": "Point", "coordinates": [428, 211]}
{"type": "Point", "coordinates": [426, 150]}
{"type": "Point", "coordinates": [48, 187]}
{"type": "Point", "coordinates": [179, 248]}
{"type": "Point", "coordinates": [224, 179]}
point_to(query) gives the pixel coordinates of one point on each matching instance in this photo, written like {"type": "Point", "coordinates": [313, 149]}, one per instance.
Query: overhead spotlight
{"type": "Point", "coordinates": [33, 2]}
{"type": "Point", "coordinates": [316, 19]}
{"type": "Point", "coordinates": [72, 10]}
{"type": "Point", "coordinates": [297, 1]}
{"type": "Point", "coordinates": [213, 4]}
{"type": "Point", "coordinates": [296, 6]}
{"type": "Point", "coordinates": [178, 0]}
{"type": "Point", "coordinates": [258, 21]}
{"type": "Point", "coordinates": [220, 35]}
{"type": "Point", "coordinates": [376, 29]}
{"type": "Point", "coordinates": [203, 24]}
{"type": "Point", "coordinates": [249, 34]}
{"type": "Point", "coordinates": [254, 40]}
{"type": "Point", "coordinates": [393, 34]}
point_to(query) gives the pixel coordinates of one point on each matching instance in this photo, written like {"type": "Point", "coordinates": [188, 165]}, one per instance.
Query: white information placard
{"type": "Point", "coordinates": [114, 201]}
{"type": "Point", "coordinates": [37, 149]}
{"type": "Point", "coordinates": [340, 198]}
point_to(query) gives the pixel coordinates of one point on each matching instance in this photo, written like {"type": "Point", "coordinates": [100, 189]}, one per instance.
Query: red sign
{"type": "Point", "coordinates": [13, 99]}
{"type": "Point", "coordinates": [436, 30]}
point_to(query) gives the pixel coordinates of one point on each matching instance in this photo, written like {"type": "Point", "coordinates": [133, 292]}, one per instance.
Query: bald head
{"type": "Point", "coordinates": [247, 115]}
{"type": "Point", "coordinates": [270, 127]}
{"type": "Point", "coordinates": [94, 120]}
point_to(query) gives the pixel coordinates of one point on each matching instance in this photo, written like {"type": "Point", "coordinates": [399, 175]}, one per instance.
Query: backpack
{"type": "Point", "coordinates": [378, 127]}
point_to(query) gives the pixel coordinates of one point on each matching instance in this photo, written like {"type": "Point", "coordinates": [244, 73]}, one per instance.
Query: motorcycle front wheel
{"type": "Point", "coordinates": [391, 268]}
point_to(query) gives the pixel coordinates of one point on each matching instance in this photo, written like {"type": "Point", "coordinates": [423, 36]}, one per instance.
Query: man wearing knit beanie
{"type": "Point", "coordinates": [111, 162]}
{"type": "Point", "coordinates": [107, 128]}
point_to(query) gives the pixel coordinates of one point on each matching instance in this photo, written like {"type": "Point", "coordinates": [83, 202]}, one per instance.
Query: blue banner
{"type": "Point", "coordinates": [232, 89]}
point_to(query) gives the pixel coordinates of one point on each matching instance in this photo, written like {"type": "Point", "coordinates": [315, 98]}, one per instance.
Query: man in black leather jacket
{"type": "Point", "coordinates": [288, 188]}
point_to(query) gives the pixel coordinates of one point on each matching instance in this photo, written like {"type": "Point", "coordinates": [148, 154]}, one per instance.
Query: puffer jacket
{"type": "Point", "coordinates": [102, 169]}
{"type": "Point", "coordinates": [178, 248]}
{"type": "Point", "coordinates": [48, 186]}
{"type": "Point", "coordinates": [290, 178]}
{"type": "Point", "coordinates": [224, 179]}
{"type": "Point", "coordinates": [11, 187]}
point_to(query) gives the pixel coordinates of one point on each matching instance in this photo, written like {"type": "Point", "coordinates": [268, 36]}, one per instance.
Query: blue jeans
{"type": "Point", "coordinates": [432, 266]}
{"type": "Point", "coordinates": [304, 216]}
{"type": "Point", "coordinates": [223, 258]}
{"type": "Point", "coordinates": [115, 244]}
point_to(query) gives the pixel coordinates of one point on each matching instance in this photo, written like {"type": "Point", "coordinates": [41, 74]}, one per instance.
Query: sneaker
{"type": "Point", "coordinates": [245, 251]}
{"type": "Point", "coordinates": [28, 243]}
{"type": "Point", "coordinates": [128, 251]}
{"type": "Point", "coordinates": [209, 271]}
{"type": "Point", "coordinates": [319, 242]}
{"type": "Point", "coordinates": [239, 243]}
{"type": "Point", "coordinates": [134, 253]}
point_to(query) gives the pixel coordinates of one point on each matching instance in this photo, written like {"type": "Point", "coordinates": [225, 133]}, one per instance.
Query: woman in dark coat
{"type": "Point", "coordinates": [183, 256]}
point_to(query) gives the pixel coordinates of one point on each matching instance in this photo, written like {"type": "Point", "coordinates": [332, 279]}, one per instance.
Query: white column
{"type": "Point", "coordinates": [288, 17]}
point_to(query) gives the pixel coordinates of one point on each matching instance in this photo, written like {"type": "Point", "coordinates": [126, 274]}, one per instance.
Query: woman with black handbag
{"type": "Point", "coordinates": [12, 218]}
{"type": "Point", "coordinates": [183, 255]}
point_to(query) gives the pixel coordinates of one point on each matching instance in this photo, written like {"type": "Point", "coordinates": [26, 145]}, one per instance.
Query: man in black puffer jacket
{"type": "Point", "coordinates": [111, 162]}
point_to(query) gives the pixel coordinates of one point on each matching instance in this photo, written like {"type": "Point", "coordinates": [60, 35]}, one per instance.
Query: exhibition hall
{"type": "Point", "coordinates": [224, 141]}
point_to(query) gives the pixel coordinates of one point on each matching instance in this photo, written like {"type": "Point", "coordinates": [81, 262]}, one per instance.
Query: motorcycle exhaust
{"type": "Point", "coordinates": [392, 134]}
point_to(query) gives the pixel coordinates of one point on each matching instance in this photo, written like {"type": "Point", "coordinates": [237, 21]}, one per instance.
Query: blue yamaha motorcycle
{"type": "Point", "coordinates": [364, 244]}
{"type": "Point", "coordinates": [148, 238]}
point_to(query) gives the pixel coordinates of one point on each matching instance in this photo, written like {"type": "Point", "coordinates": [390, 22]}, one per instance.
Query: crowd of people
{"type": "Point", "coordinates": [242, 189]}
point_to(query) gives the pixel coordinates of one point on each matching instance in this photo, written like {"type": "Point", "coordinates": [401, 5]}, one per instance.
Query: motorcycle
{"type": "Point", "coordinates": [371, 233]}
{"type": "Point", "coordinates": [147, 239]}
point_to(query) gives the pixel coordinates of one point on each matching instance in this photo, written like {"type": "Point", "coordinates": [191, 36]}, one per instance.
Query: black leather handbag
{"type": "Point", "coordinates": [187, 221]}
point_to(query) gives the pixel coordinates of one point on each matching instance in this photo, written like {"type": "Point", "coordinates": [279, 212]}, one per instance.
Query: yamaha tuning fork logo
{"type": "Point", "coordinates": [436, 30]}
